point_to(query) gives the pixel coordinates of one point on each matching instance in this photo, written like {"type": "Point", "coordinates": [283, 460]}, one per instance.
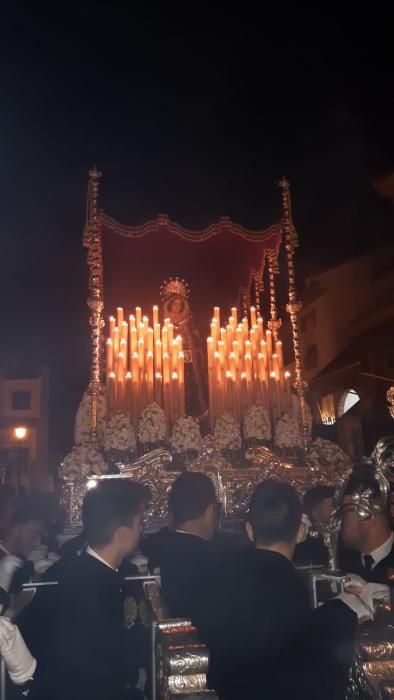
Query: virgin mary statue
{"type": "Point", "coordinates": [176, 307]}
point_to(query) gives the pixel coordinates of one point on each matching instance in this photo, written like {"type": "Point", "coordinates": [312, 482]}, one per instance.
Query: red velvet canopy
{"type": "Point", "coordinates": [217, 262]}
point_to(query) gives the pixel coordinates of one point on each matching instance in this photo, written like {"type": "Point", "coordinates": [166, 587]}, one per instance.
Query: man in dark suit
{"type": "Point", "coordinates": [272, 644]}
{"type": "Point", "coordinates": [81, 649]}
{"type": "Point", "coordinates": [317, 506]}
{"type": "Point", "coordinates": [367, 544]}
{"type": "Point", "coordinates": [186, 559]}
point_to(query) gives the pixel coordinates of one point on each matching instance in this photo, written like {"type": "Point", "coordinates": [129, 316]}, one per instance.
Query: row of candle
{"type": "Point", "coordinates": [245, 366]}
{"type": "Point", "coordinates": [144, 364]}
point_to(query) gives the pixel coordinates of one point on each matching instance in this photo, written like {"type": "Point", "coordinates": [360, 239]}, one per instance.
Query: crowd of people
{"type": "Point", "coordinates": [87, 637]}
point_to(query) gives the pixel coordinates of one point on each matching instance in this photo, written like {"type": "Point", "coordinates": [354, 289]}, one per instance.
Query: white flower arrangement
{"type": "Point", "coordinates": [324, 453]}
{"type": "Point", "coordinates": [82, 419]}
{"type": "Point", "coordinates": [119, 434]}
{"type": "Point", "coordinates": [152, 426]}
{"type": "Point", "coordinates": [228, 432]}
{"type": "Point", "coordinates": [82, 461]}
{"type": "Point", "coordinates": [288, 433]}
{"type": "Point", "coordinates": [185, 435]}
{"type": "Point", "coordinates": [257, 423]}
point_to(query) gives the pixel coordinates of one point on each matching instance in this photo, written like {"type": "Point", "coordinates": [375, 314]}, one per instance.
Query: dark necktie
{"type": "Point", "coordinates": [368, 562]}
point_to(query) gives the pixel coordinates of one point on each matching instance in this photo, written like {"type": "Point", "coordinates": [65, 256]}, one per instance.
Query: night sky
{"type": "Point", "coordinates": [193, 112]}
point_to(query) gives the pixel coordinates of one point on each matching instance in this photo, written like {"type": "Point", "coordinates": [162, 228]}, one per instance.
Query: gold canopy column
{"type": "Point", "coordinates": [294, 306]}
{"type": "Point", "coordinates": [92, 241]}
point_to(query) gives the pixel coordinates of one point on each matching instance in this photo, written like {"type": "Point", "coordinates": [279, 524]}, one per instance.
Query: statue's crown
{"type": "Point", "coordinates": [174, 285]}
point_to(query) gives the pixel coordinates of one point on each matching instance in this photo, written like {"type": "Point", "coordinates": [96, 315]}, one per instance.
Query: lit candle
{"type": "Point", "coordinates": [158, 367]}
{"type": "Point", "coordinates": [218, 385]}
{"type": "Point", "coordinates": [274, 396]}
{"type": "Point", "coordinates": [214, 331]}
{"type": "Point", "coordinates": [109, 357]}
{"type": "Point", "coordinates": [135, 383]}
{"type": "Point", "coordinates": [121, 385]}
{"type": "Point", "coordinates": [211, 380]}
{"type": "Point", "coordinates": [275, 365]}
{"type": "Point", "coordinates": [248, 370]}
{"type": "Point", "coordinates": [128, 392]}
{"type": "Point", "coordinates": [229, 394]}
{"type": "Point", "coordinates": [158, 388]}
{"type": "Point", "coordinates": [166, 368]}
{"type": "Point", "coordinates": [232, 365]}
{"type": "Point", "coordinates": [123, 352]}
{"type": "Point", "coordinates": [230, 338]}
{"type": "Point", "coordinates": [133, 340]}
{"type": "Point", "coordinates": [138, 316]}
{"type": "Point", "coordinates": [244, 394]}
{"type": "Point", "coordinates": [119, 316]}
{"type": "Point", "coordinates": [141, 354]}
{"type": "Point", "coordinates": [180, 343]}
{"type": "Point", "coordinates": [156, 332]}
{"type": "Point", "coordinates": [112, 325]}
{"type": "Point", "coordinates": [287, 389]}
{"type": "Point", "coordinates": [124, 331]}
{"type": "Point", "coordinates": [149, 375]}
{"type": "Point", "coordinates": [141, 331]}
{"type": "Point", "coordinates": [149, 339]}
{"type": "Point", "coordinates": [236, 352]}
{"type": "Point", "coordinates": [254, 342]}
{"type": "Point", "coordinates": [245, 326]}
{"type": "Point", "coordinates": [181, 378]}
{"type": "Point", "coordinates": [174, 356]}
{"type": "Point", "coordinates": [131, 321]}
{"type": "Point", "coordinates": [155, 315]}
{"type": "Point", "coordinates": [252, 316]}
{"type": "Point", "coordinates": [263, 379]}
{"type": "Point", "coordinates": [268, 340]}
{"type": "Point", "coordinates": [234, 315]}
{"type": "Point", "coordinates": [223, 335]}
{"type": "Point", "coordinates": [145, 321]}
{"type": "Point", "coordinates": [170, 329]}
{"type": "Point", "coordinates": [260, 326]}
{"type": "Point", "coordinates": [240, 340]}
{"type": "Point", "coordinates": [116, 342]}
{"type": "Point", "coordinates": [111, 392]}
{"type": "Point", "coordinates": [216, 314]}
{"type": "Point", "coordinates": [167, 322]}
{"type": "Point", "coordinates": [174, 397]}
{"type": "Point", "coordinates": [164, 339]}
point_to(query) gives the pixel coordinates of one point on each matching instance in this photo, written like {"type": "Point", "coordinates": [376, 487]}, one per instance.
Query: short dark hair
{"type": "Point", "coordinates": [26, 512]}
{"type": "Point", "coordinates": [275, 513]}
{"type": "Point", "coordinates": [190, 496]}
{"type": "Point", "coordinates": [110, 505]}
{"type": "Point", "coordinates": [315, 496]}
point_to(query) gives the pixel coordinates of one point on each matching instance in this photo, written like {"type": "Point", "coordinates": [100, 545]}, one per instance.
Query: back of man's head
{"type": "Point", "coordinates": [318, 503]}
{"type": "Point", "coordinates": [25, 529]}
{"type": "Point", "coordinates": [111, 505]}
{"type": "Point", "coordinates": [275, 514]}
{"type": "Point", "coordinates": [191, 494]}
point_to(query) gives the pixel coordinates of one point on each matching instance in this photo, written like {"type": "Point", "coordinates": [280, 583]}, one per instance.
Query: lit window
{"type": "Point", "coordinates": [348, 400]}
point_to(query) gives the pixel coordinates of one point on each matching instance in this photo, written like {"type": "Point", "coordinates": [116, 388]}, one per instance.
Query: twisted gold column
{"type": "Point", "coordinates": [294, 306]}
{"type": "Point", "coordinates": [92, 241]}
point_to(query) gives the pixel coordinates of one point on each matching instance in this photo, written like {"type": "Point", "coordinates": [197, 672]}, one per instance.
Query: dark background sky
{"type": "Point", "coordinates": [195, 112]}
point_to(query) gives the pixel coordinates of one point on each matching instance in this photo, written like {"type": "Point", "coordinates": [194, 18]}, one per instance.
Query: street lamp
{"type": "Point", "coordinates": [20, 433]}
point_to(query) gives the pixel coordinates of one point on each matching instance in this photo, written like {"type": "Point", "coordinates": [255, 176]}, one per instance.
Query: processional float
{"type": "Point", "coordinates": [153, 370]}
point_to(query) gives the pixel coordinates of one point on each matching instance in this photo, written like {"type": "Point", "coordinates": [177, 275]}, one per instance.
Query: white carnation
{"type": "Point", "coordinates": [82, 461]}
{"type": "Point", "coordinates": [324, 453]}
{"type": "Point", "coordinates": [228, 432]}
{"type": "Point", "coordinates": [257, 423]}
{"type": "Point", "coordinates": [82, 419]}
{"type": "Point", "coordinates": [288, 433]}
{"type": "Point", "coordinates": [152, 426]}
{"type": "Point", "coordinates": [185, 435]}
{"type": "Point", "coordinates": [119, 434]}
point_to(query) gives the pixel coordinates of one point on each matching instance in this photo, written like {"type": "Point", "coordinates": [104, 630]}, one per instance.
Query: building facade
{"type": "Point", "coordinates": [347, 339]}
{"type": "Point", "coordinates": [24, 417]}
